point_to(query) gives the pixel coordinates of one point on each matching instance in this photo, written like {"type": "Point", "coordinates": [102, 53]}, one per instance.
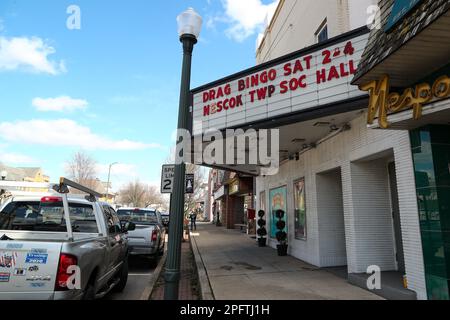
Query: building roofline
{"type": "Point", "coordinates": [272, 22]}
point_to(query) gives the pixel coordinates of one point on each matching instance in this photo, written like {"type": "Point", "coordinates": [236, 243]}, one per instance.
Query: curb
{"type": "Point", "coordinates": [155, 276]}
{"type": "Point", "coordinates": [206, 291]}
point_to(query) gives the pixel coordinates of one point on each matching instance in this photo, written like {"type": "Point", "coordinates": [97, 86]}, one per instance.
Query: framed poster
{"type": "Point", "coordinates": [300, 209]}
{"type": "Point", "coordinates": [277, 201]}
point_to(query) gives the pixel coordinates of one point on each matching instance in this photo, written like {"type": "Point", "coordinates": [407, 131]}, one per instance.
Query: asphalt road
{"type": "Point", "coordinates": [140, 272]}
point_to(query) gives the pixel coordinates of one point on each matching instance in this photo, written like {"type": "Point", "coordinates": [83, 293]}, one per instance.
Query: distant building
{"type": "Point", "coordinates": [230, 194]}
{"type": "Point", "coordinates": [24, 174]}
{"type": "Point", "coordinates": [103, 188]}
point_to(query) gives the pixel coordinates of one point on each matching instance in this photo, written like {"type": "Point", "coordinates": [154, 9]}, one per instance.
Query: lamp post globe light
{"type": "Point", "coordinates": [189, 26]}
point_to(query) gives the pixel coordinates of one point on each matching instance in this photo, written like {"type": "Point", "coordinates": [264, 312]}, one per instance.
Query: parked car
{"type": "Point", "coordinates": [148, 239]}
{"type": "Point", "coordinates": [40, 241]}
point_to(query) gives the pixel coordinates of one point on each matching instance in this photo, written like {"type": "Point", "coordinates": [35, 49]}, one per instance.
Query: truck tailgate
{"type": "Point", "coordinates": [28, 268]}
{"type": "Point", "coordinates": [142, 234]}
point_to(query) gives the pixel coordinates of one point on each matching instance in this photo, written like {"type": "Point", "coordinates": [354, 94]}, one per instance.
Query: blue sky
{"type": "Point", "coordinates": [110, 88]}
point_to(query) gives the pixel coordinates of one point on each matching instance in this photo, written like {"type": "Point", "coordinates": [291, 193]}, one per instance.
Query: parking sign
{"type": "Point", "coordinates": [168, 172]}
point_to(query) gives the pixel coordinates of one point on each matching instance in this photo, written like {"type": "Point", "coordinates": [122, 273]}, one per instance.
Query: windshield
{"type": "Point", "coordinates": [138, 216]}
{"type": "Point", "coordinates": [34, 216]}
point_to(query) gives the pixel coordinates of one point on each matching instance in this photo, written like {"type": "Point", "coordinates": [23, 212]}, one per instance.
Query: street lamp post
{"type": "Point", "coordinates": [109, 179]}
{"type": "Point", "coordinates": [189, 26]}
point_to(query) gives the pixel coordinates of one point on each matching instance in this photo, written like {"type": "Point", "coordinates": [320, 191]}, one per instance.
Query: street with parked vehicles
{"type": "Point", "coordinates": [58, 245]}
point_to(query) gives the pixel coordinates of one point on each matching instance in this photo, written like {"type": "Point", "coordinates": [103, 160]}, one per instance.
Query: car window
{"type": "Point", "coordinates": [36, 216]}
{"type": "Point", "coordinates": [138, 216]}
{"type": "Point", "coordinates": [113, 222]}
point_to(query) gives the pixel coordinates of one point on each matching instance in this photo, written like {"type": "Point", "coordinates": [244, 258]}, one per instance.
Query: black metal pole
{"type": "Point", "coordinates": [172, 272]}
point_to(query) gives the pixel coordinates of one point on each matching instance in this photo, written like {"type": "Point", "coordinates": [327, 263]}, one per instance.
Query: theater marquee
{"type": "Point", "coordinates": [310, 78]}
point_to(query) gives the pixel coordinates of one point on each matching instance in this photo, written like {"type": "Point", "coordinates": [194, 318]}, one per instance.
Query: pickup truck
{"type": "Point", "coordinates": [148, 239]}
{"type": "Point", "coordinates": [59, 246]}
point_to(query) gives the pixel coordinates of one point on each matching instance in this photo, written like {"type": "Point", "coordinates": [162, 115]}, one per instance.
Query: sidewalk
{"type": "Point", "coordinates": [188, 289]}
{"type": "Point", "coordinates": [237, 269]}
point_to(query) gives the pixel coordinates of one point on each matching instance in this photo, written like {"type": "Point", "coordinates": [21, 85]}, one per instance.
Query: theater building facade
{"type": "Point", "coordinates": [356, 194]}
{"type": "Point", "coordinates": [406, 70]}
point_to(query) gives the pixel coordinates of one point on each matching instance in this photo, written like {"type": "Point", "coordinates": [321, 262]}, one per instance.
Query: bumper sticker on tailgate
{"type": "Point", "coordinates": [33, 269]}
{"type": "Point", "coordinates": [20, 272]}
{"type": "Point", "coordinates": [36, 258]}
{"type": "Point", "coordinates": [8, 260]}
{"type": "Point", "coordinates": [4, 276]}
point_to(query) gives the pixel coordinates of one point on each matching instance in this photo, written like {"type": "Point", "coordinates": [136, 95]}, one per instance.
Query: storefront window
{"type": "Point", "coordinates": [277, 202]}
{"type": "Point", "coordinates": [431, 153]}
{"type": "Point", "coordinates": [300, 209]}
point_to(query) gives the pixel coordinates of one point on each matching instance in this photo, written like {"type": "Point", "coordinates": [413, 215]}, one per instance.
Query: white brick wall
{"type": "Point", "coordinates": [368, 229]}
{"type": "Point", "coordinates": [330, 211]}
{"type": "Point", "coordinates": [372, 235]}
{"type": "Point", "coordinates": [298, 21]}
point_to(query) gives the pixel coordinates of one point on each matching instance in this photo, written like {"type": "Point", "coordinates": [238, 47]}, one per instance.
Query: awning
{"type": "Point", "coordinates": [418, 46]}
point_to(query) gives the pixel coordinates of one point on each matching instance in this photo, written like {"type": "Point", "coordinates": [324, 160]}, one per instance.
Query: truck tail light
{"type": "Point", "coordinates": [154, 235]}
{"type": "Point", "coordinates": [65, 261]}
{"type": "Point", "coordinates": [51, 200]}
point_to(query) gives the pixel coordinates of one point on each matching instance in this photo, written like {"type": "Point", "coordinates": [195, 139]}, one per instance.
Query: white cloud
{"type": "Point", "coordinates": [63, 103]}
{"type": "Point", "coordinates": [65, 132]}
{"type": "Point", "coordinates": [28, 54]}
{"type": "Point", "coordinates": [16, 159]}
{"type": "Point", "coordinates": [247, 17]}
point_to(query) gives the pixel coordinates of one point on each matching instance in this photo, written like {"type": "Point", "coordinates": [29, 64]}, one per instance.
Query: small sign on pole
{"type": "Point", "coordinates": [167, 175]}
{"type": "Point", "coordinates": [189, 183]}
{"type": "Point", "coordinates": [168, 172]}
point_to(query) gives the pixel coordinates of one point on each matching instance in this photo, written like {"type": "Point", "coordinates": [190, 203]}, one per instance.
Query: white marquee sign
{"type": "Point", "coordinates": [301, 82]}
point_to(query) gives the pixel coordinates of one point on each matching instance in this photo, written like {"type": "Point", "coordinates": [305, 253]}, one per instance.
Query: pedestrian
{"type": "Point", "coordinates": [193, 217]}
{"type": "Point", "coordinates": [218, 223]}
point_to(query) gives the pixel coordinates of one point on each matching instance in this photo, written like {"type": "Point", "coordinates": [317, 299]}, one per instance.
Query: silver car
{"type": "Point", "coordinates": [148, 239]}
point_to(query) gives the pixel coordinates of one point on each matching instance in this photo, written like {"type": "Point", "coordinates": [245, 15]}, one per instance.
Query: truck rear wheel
{"type": "Point", "coordinates": [123, 275]}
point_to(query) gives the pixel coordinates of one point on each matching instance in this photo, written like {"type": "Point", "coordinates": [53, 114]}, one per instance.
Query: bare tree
{"type": "Point", "coordinates": [153, 197]}
{"type": "Point", "coordinates": [140, 195]}
{"type": "Point", "coordinates": [132, 194]}
{"type": "Point", "coordinates": [82, 169]}
{"type": "Point", "coordinates": [192, 200]}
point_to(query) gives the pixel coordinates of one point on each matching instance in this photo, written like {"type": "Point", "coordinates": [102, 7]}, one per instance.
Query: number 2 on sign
{"type": "Point", "coordinates": [167, 184]}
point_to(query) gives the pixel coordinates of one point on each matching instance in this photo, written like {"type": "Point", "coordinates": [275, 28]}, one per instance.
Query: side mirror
{"type": "Point", "coordinates": [129, 226]}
